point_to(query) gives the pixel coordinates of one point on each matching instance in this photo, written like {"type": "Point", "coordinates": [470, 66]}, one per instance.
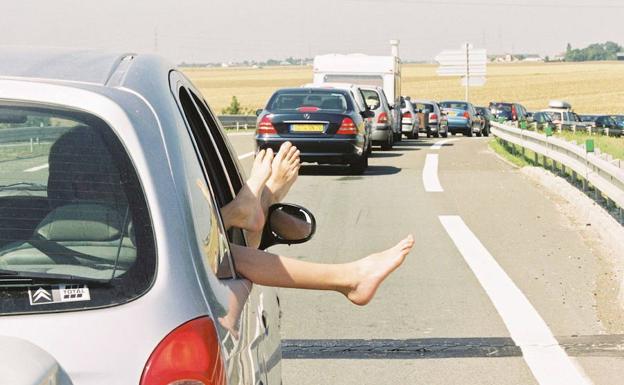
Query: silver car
{"type": "Point", "coordinates": [434, 123]}
{"type": "Point", "coordinates": [115, 267]}
{"type": "Point", "coordinates": [383, 121]}
{"type": "Point", "coordinates": [409, 119]}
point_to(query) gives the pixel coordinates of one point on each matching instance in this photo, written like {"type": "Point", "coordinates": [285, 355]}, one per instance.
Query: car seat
{"type": "Point", "coordinates": [89, 225]}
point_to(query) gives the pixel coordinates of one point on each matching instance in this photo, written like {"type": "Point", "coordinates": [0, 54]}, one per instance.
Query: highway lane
{"type": "Point", "coordinates": [436, 298]}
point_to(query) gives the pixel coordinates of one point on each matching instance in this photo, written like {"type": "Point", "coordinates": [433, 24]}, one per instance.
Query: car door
{"type": "Point", "coordinates": [244, 327]}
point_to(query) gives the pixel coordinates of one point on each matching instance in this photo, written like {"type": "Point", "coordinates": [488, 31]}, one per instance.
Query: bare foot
{"type": "Point", "coordinates": [285, 169]}
{"type": "Point", "coordinates": [245, 211]}
{"type": "Point", "coordinates": [369, 272]}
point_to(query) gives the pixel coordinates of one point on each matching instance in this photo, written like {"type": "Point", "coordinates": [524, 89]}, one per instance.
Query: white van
{"type": "Point", "coordinates": [381, 71]}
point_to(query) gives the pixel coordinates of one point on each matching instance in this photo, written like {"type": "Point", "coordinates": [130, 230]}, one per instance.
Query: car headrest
{"type": "Point", "coordinates": [82, 168]}
{"type": "Point", "coordinates": [82, 222]}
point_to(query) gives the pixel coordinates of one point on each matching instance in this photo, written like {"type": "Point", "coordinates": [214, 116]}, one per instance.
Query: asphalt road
{"type": "Point", "coordinates": [501, 287]}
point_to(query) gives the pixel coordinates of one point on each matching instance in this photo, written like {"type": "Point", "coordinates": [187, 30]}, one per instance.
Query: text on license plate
{"type": "Point", "coordinates": [307, 127]}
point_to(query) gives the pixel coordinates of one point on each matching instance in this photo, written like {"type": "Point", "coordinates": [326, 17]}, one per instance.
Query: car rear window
{"type": "Point", "coordinates": [75, 232]}
{"type": "Point", "coordinates": [308, 101]}
{"type": "Point", "coordinates": [423, 107]}
{"type": "Point", "coordinates": [456, 105]}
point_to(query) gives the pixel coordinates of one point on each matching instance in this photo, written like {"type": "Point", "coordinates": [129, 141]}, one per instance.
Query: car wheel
{"type": "Point", "coordinates": [453, 133]}
{"type": "Point", "coordinates": [487, 131]}
{"type": "Point", "coordinates": [479, 134]}
{"type": "Point", "coordinates": [358, 166]}
{"type": "Point", "coordinates": [409, 135]}
{"type": "Point", "coordinates": [469, 132]}
{"type": "Point", "coordinates": [444, 134]}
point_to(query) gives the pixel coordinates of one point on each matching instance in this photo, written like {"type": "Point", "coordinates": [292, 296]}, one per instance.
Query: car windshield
{"type": "Point", "coordinates": [305, 100]}
{"type": "Point", "coordinates": [455, 105]}
{"type": "Point", "coordinates": [70, 203]}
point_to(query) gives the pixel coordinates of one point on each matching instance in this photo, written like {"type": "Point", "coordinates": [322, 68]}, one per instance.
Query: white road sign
{"type": "Point", "coordinates": [467, 62]}
{"type": "Point", "coordinates": [476, 81]}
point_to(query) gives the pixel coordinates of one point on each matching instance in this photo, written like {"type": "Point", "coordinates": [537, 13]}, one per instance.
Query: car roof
{"type": "Point", "coordinates": [423, 101]}
{"type": "Point", "coordinates": [339, 86]}
{"type": "Point", "coordinates": [58, 64]}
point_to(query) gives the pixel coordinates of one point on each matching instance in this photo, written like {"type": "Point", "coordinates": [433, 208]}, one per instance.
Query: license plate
{"type": "Point", "coordinates": [307, 127]}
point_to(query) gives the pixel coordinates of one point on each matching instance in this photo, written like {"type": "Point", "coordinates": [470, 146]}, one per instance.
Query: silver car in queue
{"type": "Point", "coordinates": [113, 255]}
{"type": "Point", "coordinates": [382, 133]}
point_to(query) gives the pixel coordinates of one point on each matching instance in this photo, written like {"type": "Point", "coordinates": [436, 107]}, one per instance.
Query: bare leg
{"type": "Point", "coordinates": [357, 280]}
{"type": "Point", "coordinates": [246, 211]}
{"type": "Point", "coordinates": [284, 172]}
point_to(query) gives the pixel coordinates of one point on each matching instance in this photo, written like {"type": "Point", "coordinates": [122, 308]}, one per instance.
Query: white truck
{"type": "Point", "coordinates": [359, 69]}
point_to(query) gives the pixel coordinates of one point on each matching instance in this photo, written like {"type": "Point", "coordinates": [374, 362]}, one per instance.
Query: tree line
{"type": "Point", "coordinates": [596, 51]}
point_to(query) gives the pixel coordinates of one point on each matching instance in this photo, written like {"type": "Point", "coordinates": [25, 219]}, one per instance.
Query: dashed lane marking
{"type": "Point", "coordinates": [430, 174]}
{"type": "Point", "coordinates": [37, 168]}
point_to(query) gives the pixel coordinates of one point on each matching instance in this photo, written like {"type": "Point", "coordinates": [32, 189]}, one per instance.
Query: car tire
{"type": "Point", "coordinates": [444, 135]}
{"type": "Point", "coordinates": [487, 131]}
{"type": "Point", "coordinates": [358, 166]}
{"type": "Point", "coordinates": [469, 132]}
{"type": "Point", "coordinates": [409, 135]}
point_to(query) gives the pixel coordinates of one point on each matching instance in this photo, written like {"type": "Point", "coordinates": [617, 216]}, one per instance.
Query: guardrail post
{"type": "Point", "coordinates": [536, 158]}
{"type": "Point", "coordinates": [237, 125]}
{"type": "Point", "coordinates": [31, 146]}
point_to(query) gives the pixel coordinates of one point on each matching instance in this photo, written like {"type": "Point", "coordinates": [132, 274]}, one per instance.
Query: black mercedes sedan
{"type": "Point", "coordinates": [328, 124]}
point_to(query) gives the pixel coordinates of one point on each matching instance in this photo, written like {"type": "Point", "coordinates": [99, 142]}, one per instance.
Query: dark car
{"type": "Point", "coordinates": [619, 120]}
{"type": "Point", "coordinates": [462, 117]}
{"type": "Point", "coordinates": [541, 120]}
{"type": "Point", "coordinates": [487, 117]}
{"type": "Point", "coordinates": [326, 124]}
{"type": "Point", "coordinates": [514, 112]}
{"type": "Point", "coordinates": [607, 125]}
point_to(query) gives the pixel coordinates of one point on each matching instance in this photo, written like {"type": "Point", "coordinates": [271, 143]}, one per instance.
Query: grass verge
{"type": "Point", "coordinates": [506, 153]}
{"type": "Point", "coordinates": [607, 144]}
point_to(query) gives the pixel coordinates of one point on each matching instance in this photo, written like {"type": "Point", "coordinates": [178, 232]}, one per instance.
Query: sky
{"type": "Point", "coordinates": [195, 31]}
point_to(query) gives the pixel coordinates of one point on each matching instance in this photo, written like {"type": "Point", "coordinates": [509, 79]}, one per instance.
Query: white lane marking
{"type": "Point", "coordinates": [241, 133]}
{"type": "Point", "coordinates": [247, 155]}
{"type": "Point", "coordinates": [37, 168]}
{"type": "Point", "coordinates": [430, 174]}
{"type": "Point", "coordinates": [438, 145]}
{"type": "Point", "coordinates": [547, 360]}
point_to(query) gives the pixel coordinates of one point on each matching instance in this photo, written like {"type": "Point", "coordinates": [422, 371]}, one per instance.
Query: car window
{"type": "Point", "coordinates": [308, 100]}
{"type": "Point", "coordinates": [207, 191]}
{"type": "Point", "coordinates": [372, 99]}
{"type": "Point", "coordinates": [71, 204]}
{"type": "Point", "coordinates": [456, 105]}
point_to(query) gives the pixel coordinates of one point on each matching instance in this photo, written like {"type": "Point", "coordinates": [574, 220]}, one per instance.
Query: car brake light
{"type": "Point", "coordinates": [383, 118]}
{"type": "Point", "coordinates": [266, 126]}
{"type": "Point", "coordinates": [308, 109]}
{"type": "Point", "coordinates": [433, 117]}
{"type": "Point", "coordinates": [189, 355]}
{"type": "Point", "coordinates": [467, 115]}
{"type": "Point", "coordinates": [407, 115]}
{"type": "Point", "coordinates": [347, 127]}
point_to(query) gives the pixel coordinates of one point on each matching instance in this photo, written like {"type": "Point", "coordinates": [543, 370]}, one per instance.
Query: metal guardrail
{"type": "Point", "coordinates": [239, 122]}
{"type": "Point", "coordinates": [606, 177]}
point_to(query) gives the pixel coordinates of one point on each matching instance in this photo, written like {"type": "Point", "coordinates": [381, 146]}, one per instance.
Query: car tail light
{"type": "Point", "coordinates": [407, 115]}
{"type": "Point", "coordinates": [347, 127]}
{"type": "Point", "coordinates": [308, 109]}
{"type": "Point", "coordinates": [189, 355]}
{"type": "Point", "coordinates": [467, 115]}
{"type": "Point", "coordinates": [433, 117]}
{"type": "Point", "coordinates": [383, 118]}
{"type": "Point", "coordinates": [266, 126]}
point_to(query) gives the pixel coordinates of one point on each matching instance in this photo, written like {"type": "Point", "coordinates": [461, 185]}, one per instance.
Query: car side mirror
{"type": "Point", "coordinates": [368, 114]}
{"type": "Point", "coordinates": [287, 224]}
{"type": "Point", "coordinates": [258, 111]}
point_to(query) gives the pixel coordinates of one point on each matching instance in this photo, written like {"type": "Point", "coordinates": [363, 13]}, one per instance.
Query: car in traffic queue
{"type": "Point", "coordinates": [434, 123]}
{"type": "Point", "coordinates": [540, 121]}
{"type": "Point", "coordinates": [329, 124]}
{"type": "Point", "coordinates": [504, 111]}
{"type": "Point", "coordinates": [603, 124]}
{"type": "Point", "coordinates": [487, 117]}
{"type": "Point", "coordinates": [561, 114]}
{"type": "Point", "coordinates": [462, 117]}
{"type": "Point", "coordinates": [115, 266]}
{"type": "Point", "coordinates": [383, 121]}
{"type": "Point", "coordinates": [619, 120]}
{"type": "Point", "coordinates": [409, 119]}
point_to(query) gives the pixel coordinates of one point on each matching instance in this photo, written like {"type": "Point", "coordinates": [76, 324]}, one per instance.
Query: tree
{"type": "Point", "coordinates": [234, 108]}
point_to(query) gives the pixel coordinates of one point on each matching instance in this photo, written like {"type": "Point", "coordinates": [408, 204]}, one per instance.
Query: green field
{"type": "Point", "coordinates": [591, 87]}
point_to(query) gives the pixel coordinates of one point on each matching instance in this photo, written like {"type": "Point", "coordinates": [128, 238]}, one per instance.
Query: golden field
{"type": "Point", "coordinates": [591, 87]}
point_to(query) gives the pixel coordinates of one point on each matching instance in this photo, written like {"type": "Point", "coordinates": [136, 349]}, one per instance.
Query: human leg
{"type": "Point", "coordinates": [357, 280]}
